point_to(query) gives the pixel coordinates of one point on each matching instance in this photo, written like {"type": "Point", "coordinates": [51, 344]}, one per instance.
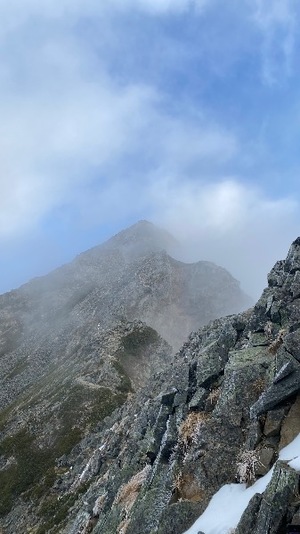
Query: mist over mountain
{"type": "Point", "coordinates": [79, 343]}
{"type": "Point", "coordinates": [141, 389]}
{"type": "Point", "coordinates": [131, 276]}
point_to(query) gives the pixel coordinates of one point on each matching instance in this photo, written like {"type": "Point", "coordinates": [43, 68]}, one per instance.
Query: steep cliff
{"type": "Point", "coordinates": [230, 395]}
{"type": "Point", "coordinates": [86, 343]}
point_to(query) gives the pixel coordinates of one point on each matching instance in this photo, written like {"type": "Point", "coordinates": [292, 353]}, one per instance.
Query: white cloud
{"type": "Point", "coordinates": [161, 6]}
{"type": "Point", "coordinates": [235, 225]}
{"type": "Point", "coordinates": [66, 117]}
{"type": "Point", "coordinates": [277, 22]}
{"type": "Point", "coordinates": [56, 126]}
{"type": "Point", "coordinates": [69, 123]}
{"type": "Point", "coordinates": [17, 12]}
{"type": "Point", "coordinates": [48, 146]}
{"type": "Point", "coordinates": [273, 12]}
{"type": "Point", "coordinates": [185, 142]}
{"type": "Point", "coordinates": [51, 141]}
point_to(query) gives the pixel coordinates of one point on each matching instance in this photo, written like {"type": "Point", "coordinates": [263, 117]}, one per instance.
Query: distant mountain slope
{"type": "Point", "coordinates": [77, 343]}
{"type": "Point", "coordinates": [131, 276]}
{"type": "Point", "coordinates": [219, 412]}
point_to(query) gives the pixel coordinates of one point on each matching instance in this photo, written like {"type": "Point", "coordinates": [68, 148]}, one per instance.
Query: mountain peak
{"type": "Point", "coordinates": [141, 238]}
{"type": "Point", "coordinates": [78, 345]}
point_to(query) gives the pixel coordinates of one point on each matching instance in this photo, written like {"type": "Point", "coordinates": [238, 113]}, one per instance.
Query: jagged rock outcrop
{"type": "Point", "coordinates": [77, 345]}
{"type": "Point", "coordinates": [167, 451]}
{"type": "Point", "coordinates": [151, 466]}
{"type": "Point", "coordinates": [271, 511]}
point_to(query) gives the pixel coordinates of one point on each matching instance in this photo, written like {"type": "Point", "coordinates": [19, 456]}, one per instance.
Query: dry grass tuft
{"type": "Point", "coordinates": [246, 466]}
{"type": "Point", "coordinates": [128, 493]}
{"type": "Point", "coordinates": [259, 385]}
{"type": "Point", "coordinates": [273, 348]}
{"type": "Point", "coordinates": [187, 488]}
{"type": "Point", "coordinates": [214, 395]}
{"type": "Point", "coordinates": [268, 329]}
{"type": "Point", "coordinates": [123, 526]}
{"type": "Point", "coordinates": [190, 428]}
{"type": "Point", "coordinates": [176, 482]}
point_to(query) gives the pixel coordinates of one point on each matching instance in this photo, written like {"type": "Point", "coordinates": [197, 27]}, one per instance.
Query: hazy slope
{"type": "Point", "coordinates": [131, 276]}
{"type": "Point", "coordinates": [218, 413]}
{"type": "Point", "coordinates": [77, 343]}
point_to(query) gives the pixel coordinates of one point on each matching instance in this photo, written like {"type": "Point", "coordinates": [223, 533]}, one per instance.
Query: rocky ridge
{"type": "Point", "coordinates": [81, 351]}
{"type": "Point", "coordinates": [231, 393]}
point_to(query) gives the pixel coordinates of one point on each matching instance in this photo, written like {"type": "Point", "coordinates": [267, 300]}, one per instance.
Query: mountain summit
{"type": "Point", "coordinates": [142, 238]}
{"type": "Point", "coordinates": [130, 276]}
{"type": "Point", "coordinates": [77, 344]}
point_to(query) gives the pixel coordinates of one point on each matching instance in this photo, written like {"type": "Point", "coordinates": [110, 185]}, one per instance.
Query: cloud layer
{"type": "Point", "coordinates": [231, 224]}
{"type": "Point", "coordinates": [168, 110]}
{"type": "Point", "coordinates": [277, 22]}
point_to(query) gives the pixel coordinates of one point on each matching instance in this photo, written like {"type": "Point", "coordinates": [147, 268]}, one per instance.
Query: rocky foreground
{"type": "Point", "coordinates": [221, 413]}
{"type": "Point", "coordinates": [218, 411]}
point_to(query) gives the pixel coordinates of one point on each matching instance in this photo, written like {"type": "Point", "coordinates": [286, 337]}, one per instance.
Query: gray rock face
{"type": "Point", "coordinates": [237, 362]}
{"type": "Point", "coordinates": [77, 344]}
{"type": "Point", "coordinates": [178, 434]}
{"type": "Point", "coordinates": [285, 384]}
{"type": "Point", "coordinates": [266, 513]}
{"type": "Point", "coordinates": [129, 278]}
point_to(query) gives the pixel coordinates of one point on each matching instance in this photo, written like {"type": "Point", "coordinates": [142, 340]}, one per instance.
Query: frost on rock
{"type": "Point", "coordinates": [246, 466]}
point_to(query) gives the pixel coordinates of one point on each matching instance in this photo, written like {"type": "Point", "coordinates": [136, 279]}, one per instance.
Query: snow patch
{"type": "Point", "coordinates": [228, 504]}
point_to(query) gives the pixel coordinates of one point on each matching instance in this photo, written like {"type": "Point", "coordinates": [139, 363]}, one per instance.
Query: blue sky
{"type": "Point", "coordinates": [183, 112]}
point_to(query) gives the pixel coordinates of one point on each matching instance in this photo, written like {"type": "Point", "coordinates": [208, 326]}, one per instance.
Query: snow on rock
{"type": "Point", "coordinates": [227, 505]}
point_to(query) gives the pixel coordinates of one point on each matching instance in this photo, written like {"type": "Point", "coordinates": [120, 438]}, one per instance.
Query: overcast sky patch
{"type": "Point", "coordinates": [180, 112]}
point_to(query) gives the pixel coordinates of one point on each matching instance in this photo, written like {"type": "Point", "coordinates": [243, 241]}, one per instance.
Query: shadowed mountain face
{"type": "Point", "coordinates": [77, 343]}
